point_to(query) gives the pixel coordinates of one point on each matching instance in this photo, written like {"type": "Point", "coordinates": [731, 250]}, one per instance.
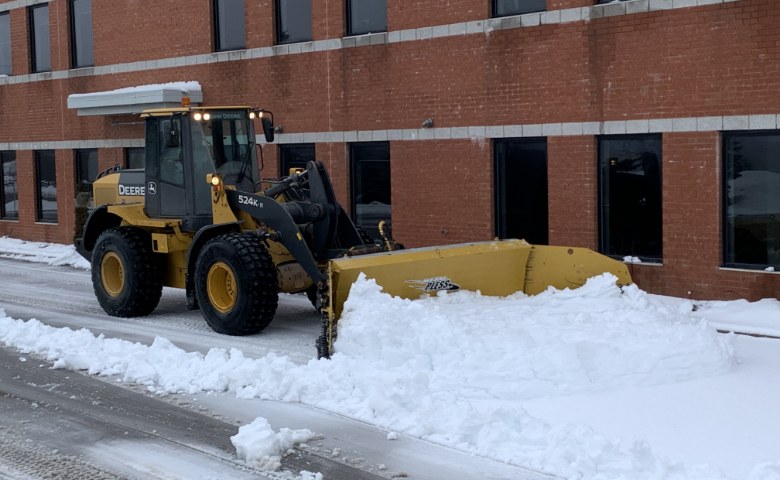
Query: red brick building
{"type": "Point", "coordinates": [647, 129]}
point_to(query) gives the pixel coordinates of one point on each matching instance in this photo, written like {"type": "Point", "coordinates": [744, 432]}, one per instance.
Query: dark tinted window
{"type": "Point", "coordinates": [630, 196]}
{"type": "Point", "coordinates": [86, 166]}
{"type": "Point", "coordinates": [81, 33]}
{"type": "Point", "coordinates": [293, 21]}
{"type": "Point", "coordinates": [9, 207]}
{"type": "Point", "coordinates": [171, 162]}
{"type": "Point", "coordinates": [134, 157]}
{"type": "Point", "coordinates": [46, 180]}
{"type": "Point", "coordinates": [521, 189]}
{"type": "Point", "coordinates": [86, 161]}
{"type": "Point", "coordinates": [752, 199]}
{"type": "Point", "coordinates": [229, 24]}
{"type": "Point", "coordinates": [366, 16]}
{"type": "Point", "coordinates": [5, 44]}
{"type": "Point", "coordinates": [370, 192]}
{"type": "Point", "coordinates": [516, 7]}
{"type": "Point", "coordinates": [40, 45]}
{"type": "Point", "coordinates": [294, 156]}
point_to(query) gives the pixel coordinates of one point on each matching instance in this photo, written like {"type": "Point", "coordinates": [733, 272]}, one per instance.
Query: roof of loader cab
{"type": "Point", "coordinates": [165, 111]}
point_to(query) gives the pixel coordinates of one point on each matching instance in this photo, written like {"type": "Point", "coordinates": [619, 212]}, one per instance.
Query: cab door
{"type": "Point", "coordinates": [165, 195]}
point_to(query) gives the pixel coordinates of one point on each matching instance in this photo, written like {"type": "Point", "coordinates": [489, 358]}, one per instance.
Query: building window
{"type": "Point", "coordinates": [630, 222]}
{"type": "Point", "coordinates": [229, 25]}
{"type": "Point", "coordinates": [751, 200]}
{"type": "Point", "coordinates": [366, 16]}
{"type": "Point", "coordinates": [293, 21]}
{"type": "Point", "coordinates": [86, 173]}
{"type": "Point", "coordinates": [46, 180]}
{"type": "Point", "coordinates": [86, 167]}
{"type": "Point", "coordinates": [135, 157]}
{"type": "Point", "coordinates": [5, 44]}
{"type": "Point", "coordinates": [521, 189]}
{"type": "Point", "coordinates": [502, 8]}
{"type": "Point", "coordinates": [9, 208]}
{"type": "Point", "coordinates": [294, 156]}
{"type": "Point", "coordinates": [81, 33]}
{"type": "Point", "coordinates": [40, 45]}
{"type": "Point", "coordinates": [370, 185]}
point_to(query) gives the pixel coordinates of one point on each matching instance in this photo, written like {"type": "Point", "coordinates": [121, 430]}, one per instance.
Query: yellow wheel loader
{"type": "Point", "coordinates": [199, 217]}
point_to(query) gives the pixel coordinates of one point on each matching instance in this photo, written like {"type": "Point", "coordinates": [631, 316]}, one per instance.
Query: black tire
{"type": "Point", "coordinates": [126, 272]}
{"type": "Point", "coordinates": [236, 284]}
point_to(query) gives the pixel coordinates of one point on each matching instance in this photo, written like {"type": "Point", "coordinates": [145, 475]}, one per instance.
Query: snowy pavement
{"type": "Point", "coordinates": [593, 383]}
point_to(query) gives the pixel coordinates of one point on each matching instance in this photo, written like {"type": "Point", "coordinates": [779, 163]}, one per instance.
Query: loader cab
{"type": "Point", "coordinates": [185, 144]}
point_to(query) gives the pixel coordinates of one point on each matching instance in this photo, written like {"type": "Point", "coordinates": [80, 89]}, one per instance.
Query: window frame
{"type": "Point", "coordinates": [79, 156]}
{"type": "Point", "coordinates": [494, 8]}
{"type": "Point", "coordinates": [352, 147]}
{"type": "Point", "coordinates": [8, 156]}
{"type": "Point", "coordinates": [278, 20]}
{"type": "Point", "coordinates": [128, 151]}
{"type": "Point", "coordinates": [350, 31]}
{"type": "Point", "coordinates": [287, 149]}
{"type": "Point", "coordinates": [74, 43]}
{"type": "Point", "coordinates": [40, 216]}
{"type": "Point", "coordinates": [34, 67]}
{"type": "Point", "coordinates": [727, 169]}
{"type": "Point", "coordinates": [215, 16]}
{"type": "Point", "coordinates": [603, 190]}
{"type": "Point", "coordinates": [500, 161]}
{"type": "Point", "coordinates": [10, 70]}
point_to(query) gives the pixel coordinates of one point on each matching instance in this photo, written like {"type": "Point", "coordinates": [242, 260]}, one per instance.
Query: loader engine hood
{"type": "Point", "coordinates": [123, 187]}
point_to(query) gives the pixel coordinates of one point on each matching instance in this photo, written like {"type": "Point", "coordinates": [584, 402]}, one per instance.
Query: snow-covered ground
{"type": "Point", "coordinates": [593, 383]}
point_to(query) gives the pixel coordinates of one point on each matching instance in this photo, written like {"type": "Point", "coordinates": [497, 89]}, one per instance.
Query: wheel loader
{"type": "Point", "coordinates": [199, 217]}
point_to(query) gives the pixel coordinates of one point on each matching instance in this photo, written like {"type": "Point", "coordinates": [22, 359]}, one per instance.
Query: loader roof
{"type": "Point", "coordinates": [165, 111]}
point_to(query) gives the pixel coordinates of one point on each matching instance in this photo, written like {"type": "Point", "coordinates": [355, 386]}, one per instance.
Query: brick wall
{"type": "Point", "coordinates": [712, 60]}
{"type": "Point", "coordinates": [572, 183]}
{"type": "Point", "coordinates": [444, 192]}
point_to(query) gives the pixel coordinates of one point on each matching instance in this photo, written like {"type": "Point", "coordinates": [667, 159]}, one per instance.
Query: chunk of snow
{"type": "Point", "coordinates": [260, 446]}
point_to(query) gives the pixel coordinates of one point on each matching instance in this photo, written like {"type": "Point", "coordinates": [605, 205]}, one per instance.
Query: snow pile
{"type": "Point", "coordinates": [594, 338]}
{"type": "Point", "coordinates": [451, 369]}
{"type": "Point", "coordinates": [49, 253]}
{"type": "Point", "coordinates": [258, 445]}
{"type": "Point", "coordinates": [760, 318]}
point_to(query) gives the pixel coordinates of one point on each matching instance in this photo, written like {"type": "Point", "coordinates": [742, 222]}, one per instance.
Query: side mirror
{"type": "Point", "coordinates": [268, 128]}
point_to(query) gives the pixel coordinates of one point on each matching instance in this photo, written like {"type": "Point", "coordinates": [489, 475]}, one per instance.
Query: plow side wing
{"type": "Point", "coordinates": [568, 267]}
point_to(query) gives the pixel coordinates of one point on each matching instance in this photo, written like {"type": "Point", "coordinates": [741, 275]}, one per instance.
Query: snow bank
{"type": "Point", "coordinates": [49, 253]}
{"type": "Point", "coordinates": [451, 369]}
{"type": "Point", "coordinates": [761, 317]}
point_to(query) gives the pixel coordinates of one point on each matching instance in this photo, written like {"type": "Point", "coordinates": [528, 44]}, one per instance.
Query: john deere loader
{"type": "Point", "coordinates": [199, 217]}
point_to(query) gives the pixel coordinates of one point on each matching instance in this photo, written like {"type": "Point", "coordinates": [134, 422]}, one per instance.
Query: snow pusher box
{"type": "Point", "coordinates": [199, 217]}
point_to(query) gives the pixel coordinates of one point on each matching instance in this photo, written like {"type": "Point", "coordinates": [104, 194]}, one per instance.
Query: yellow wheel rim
{"type": "Point", "coordinates": [112, 274]}
{"type": "Point", "coordinates": [222, 287]}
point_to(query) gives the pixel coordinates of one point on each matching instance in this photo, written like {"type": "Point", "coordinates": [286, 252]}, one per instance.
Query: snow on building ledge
{"type": "Point", "coordinates": [133, 100]}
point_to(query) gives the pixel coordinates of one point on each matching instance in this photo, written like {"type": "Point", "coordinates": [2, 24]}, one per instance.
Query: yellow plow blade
{"type": "Point", "coordinates": [495, 268]}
